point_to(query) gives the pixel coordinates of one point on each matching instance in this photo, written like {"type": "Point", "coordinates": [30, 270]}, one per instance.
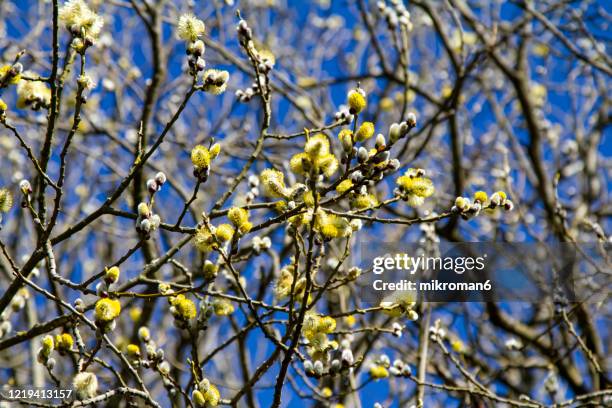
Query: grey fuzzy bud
{"type": "Point", "coordinates": [200, 64]}
{"type": "Point", "coordinates": [362, 154]}
{"type": "Point", "coordinates": [145, 225]}
{"type": "Point", "coordinates": [411, 119]}
{"type": "Point", "coordinates": [17, 68]}
{"type": "Point", "coordinates": [160, 178]}
{"type": "Point", "coordinates": [198, 48]}
{"type": "Point", "coordinates": [318, 367]}
{"type": "Point", "coordinates": [394, 165]}
{"type": "Point", "coordinates": [347, 357]}
{"type": "Point", "coordinates": [394, 132]}
{"type": "Point", "coordinates": [51, 363]}
{"type": "Point", "coordinates": [152, 186]}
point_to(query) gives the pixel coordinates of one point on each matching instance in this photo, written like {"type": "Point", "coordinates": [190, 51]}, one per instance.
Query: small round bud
{"type": "Point", "coordinates": [200, 64]}
{"type": "Point", "coordinates": [411, 119]}
{"type": "Point", "coordinates": [51, 363]}
{"type": "Point", "coordinates": [25, 187]}
{"type": "Point", "coordinates": [152, 186]}
{"type": "Point", "coordinates": [362, 154]}
{"type": "Point", "coordinates": [380, 141]}
{"type": "Point", "coordinates": [160, 178]}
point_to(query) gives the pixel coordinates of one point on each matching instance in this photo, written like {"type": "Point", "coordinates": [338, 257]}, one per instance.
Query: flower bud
{"type": "Point", "coordinates": [25, 187]}
{"type": "Point", "coordinates": [160, 178]}
{"type": "Point", "coordinates": [380, 141]}
{"type": "Point", "coordinates": [411, 120]}
{"type": "Point", "coordinates": [152, 186]}
{"type": "Point", "coordinates": [362, 154]}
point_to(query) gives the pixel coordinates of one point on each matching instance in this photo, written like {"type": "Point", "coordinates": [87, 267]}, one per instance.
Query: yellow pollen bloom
{"type": "Point", "coordinates": [223, 307]}
{"type": "Point", "coordinates": [378, 371]}
{"type": "Point", "coordinates": [273, 183]}
{"type": "Point", "coordinates": [344, 186]}
{"type": "Point", "coordinates": [64, 341]}
{"type": "Point", "coordinates": [112, 274]}
{"type": "Point", "coordinates": [184, 308]}
{"type": "Point", "coordinates": [47, 346]}
{"type": "Point", "coordinates": [190, 28]}
{"type": "Point", "coordinates": [365, 131]}
{"type": "Point", "coordinates": [107, 310]}
{"type": "Point", "coordinates": [200, 157]}
{"type": "Point", "coordinates": [224, 232]}
{"type": "Point", "coordinates": [133, 350]}
{"type": "Point", "coordinates": [480, 196]}
{"type": "Point", "coordinates": [356, 101]}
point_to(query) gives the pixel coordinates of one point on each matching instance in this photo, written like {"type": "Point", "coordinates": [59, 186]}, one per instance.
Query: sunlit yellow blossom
{"type": "Point", "coordinates": [224, 232]}
{"type": "Point", "coordinates": [458, 346]}
{"type": "Point", "coordinates": [215, 150]}
{"type": "Point", "coordinates": [135, 313]}
{"type": "Point", "coordinates": [210, 270]}
{"type": "Point", "coordinates": [107, 310]}
{"type": "Point", "coordinates": [200, 157]}
{"type": "Point", "coordinates": [346, 138]}
{"type": "Point", "coordinates": [47, 346]}
{"type": "Point", "coordinates": [112, 274]}
{"type": "Point", "coordinates": [240, 218]}
{"type": "Point", "coordinates": [364, 201]}
{"type": "Point", "coordinates": [64, 341]}
{"type": "Point", "coordinates": [133, 350]}
{"type": "Point", "coordinates": [316, 146]}
{"type": "Point", "coordinates": [273, 183]}
{"type": "Point", "coordinates": [85, 385]}
{"type": "Point", "coordinates": [79, 19]}
{"type": "Point", "coordinates": [378, 371]}
{"type": "Point", "coordinates": [215, 81]}
{"type": "Point", "coordinates": [345, 185]}
{"type": "Point", "coordinates": [332, 226]}
{"type": "Point", "coordinates": [190, 28]}
{"type": "Point", "coordinates": [6, 200]}
{"type": "Point", "coordinates": [14, 79]}
{"type": "Point", "coordinates": [33, 94]}
{"type": "Point", "coordinates": [212, 396]}
{"type": "Point", "coordinates": [184, 308]}
{"type": "Point", "coordinates": [204, 239]}
{"type": "Point", "coordinates": [415, 188]}
{"type": "Point", "coordinates": [365, 131]}
{"type": "Point", "coordinates": [223, 307]}
{"type": "Point", "coordinates": [316, 157]}
{"type": "Point", "coordinates": [356, 101]}
{"type": "Point", "coordinates": [198, 398]}
{"type": "Point", "coordinates": [350, 321]}
{"type": "Point", "coordinates": [480, 196]}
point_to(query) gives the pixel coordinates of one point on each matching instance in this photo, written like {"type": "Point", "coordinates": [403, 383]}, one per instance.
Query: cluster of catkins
{"type": "Point", "coordinates": [469, 208]}
{"type": "Point", "coordinates": [264, 61]}
{"type": "Point", "coordinates": [17, 303]}
{"type": "Point", "coordinates": [413, 187]}
{"type": "Point", "coordinates": [338, 360]}
{"type": "Point", "coordinates": [147, 221]}
{"type": "Point", "coordinates": [62, 344]}
{"type": "Point", "coordinates": [190, 29]}
{"type": "Point", "coordinates": [395, 14]}
{"type": "Point", "coordinates": [10, 74]}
